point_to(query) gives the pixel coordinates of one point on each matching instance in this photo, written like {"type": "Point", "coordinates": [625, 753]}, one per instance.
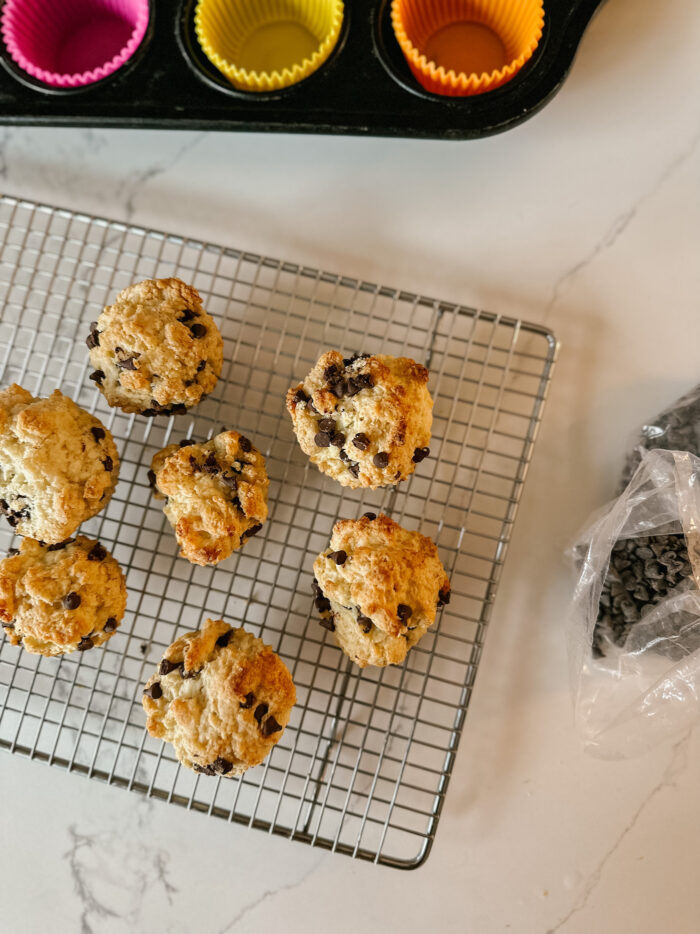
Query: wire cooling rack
{"type": "Point", "coordinates": [364, 764]}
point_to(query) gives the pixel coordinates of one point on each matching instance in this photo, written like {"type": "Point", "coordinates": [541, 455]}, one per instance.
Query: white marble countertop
{"type": "Point", "coordinates": [586, 218]}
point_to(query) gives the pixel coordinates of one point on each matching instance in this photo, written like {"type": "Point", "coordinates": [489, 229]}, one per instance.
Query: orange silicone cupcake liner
{"type": "Point", "coordinates": [464, 47]}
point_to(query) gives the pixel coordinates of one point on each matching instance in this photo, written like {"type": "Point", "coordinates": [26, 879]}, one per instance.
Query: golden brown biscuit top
{"type": "Point", "coordinates": [392, 574]}
{"type": "Point", "coordinates": [57, 459]}
{"type": "Point", "coordinates": [365, 420]}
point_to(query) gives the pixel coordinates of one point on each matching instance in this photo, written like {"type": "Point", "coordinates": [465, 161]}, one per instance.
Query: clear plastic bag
{"type": "Point", "coordinates": [632, 696]}
{"type": "Point", "coordinates": [677, 428]}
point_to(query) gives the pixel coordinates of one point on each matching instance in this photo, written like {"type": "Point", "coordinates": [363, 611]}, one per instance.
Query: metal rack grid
{"type": "Point", "coordinates": [364, 764]}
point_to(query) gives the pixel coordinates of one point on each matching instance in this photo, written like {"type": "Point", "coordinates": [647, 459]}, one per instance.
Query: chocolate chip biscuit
{"type": "Point", "coordinates": [378, 588]}
{"type": "Point", "coordinates": [56, 599]}
{"type": "Point", "coordinates": [221, 697]}
{"type": "Point", "coordinates": [155, 350]}
{"type": "Point", "coordinates": [58, 464]}
{"type": "Point", "coordinates": [363, 420]}
{"type": "Point", "coordinates": [215, 494]}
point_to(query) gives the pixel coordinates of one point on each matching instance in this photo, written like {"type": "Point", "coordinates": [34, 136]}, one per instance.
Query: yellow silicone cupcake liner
{"type": "Point", "coordinates": [464, 47]}
{"type": "Point", "coordinates": [265, 45]}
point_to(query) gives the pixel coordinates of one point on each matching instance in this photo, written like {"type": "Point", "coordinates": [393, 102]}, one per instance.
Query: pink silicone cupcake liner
{"type": "Point", "coordinates": [72, 43]}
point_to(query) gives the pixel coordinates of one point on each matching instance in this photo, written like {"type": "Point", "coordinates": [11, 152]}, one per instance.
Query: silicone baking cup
{"type": "Point", "coordinates": [266, 45]}
{"type": "Point", "coordinates": [464, 47]}
{"type": "Point", "coordinates": [73, 43]}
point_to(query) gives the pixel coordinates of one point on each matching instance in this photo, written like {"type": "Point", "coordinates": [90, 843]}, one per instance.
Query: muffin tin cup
{"type": "Point", "coordinates": [268, 45]}
{"type": "Point", "coordinates": [68, 44]}
{"type": "Point", "coordinates": [461, 48]}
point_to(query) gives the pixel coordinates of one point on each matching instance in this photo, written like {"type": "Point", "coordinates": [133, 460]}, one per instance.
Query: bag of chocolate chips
{"type": "Point", "coordinates": [677, 428]}
{"type": "Point", "coordinates": [634, 628]}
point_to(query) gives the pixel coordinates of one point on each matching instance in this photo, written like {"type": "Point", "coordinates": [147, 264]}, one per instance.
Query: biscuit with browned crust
{"type": "Point", "coordinates": [221, 697]}
{"type": "Point", "coordinates": [155, 350]}
{"type": "Point", "coordinates": [58, 464]}
{"type": "Point", "coordinates": [378, 588]}
{"type": "Point", "coordinates": [215, 492]}
{"type": "Point", "coordinates": [56, 599]}
{"type": "Point", "coordinates": [363, 420]}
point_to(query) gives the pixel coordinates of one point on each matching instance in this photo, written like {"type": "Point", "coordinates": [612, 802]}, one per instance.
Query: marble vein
{"type": "Point", "coordinates": [111, 879]}
{"type": "Point", "coordinates": [267, 894]}
{"type": "Point", "coordinates": [676, 766]}
{"type": "Point", "coordinates": [620, 223]}
{"type": "Point", "coordinates": [90, 904]}
{"type": "Point", "coordinates": [131, 187]}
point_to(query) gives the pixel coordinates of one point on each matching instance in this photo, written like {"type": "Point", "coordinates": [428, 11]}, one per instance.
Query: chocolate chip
{"type": "Point", "coordinates": [443, 597]}
{"type": "Point", "coordinates": [110, 625]}
{"type": "Point", "coordinates": [59, 546]}
{"type": "Point", "coordinates": [97, 433]}
{"type": "Point", "coordinates": [331, 372]}
{"type": "Point", "coordinates": [337, 439]}
{"type": "Point", "coordinates": [93, 325]}
{"type": "Point", "coordinates": [8, 625]}
{"type": "Point", "coordinates": [314, 586]}
{"type": "Point", "coordinates": [312, 408]}
{"type": "Point", "coordinates": [12, 551]}
{"type": "Point", "coordinates": [13, 521]}
{"type": "Point", "coordinates": [224, 638]}
{"type": "Point", "coordinates": [190, 674]}
{"type": "Point", "coordinates": [204, 769]}
{"type": "Point", "coordinates": [270, 726]}
{"type": "Point", "coordinates": [365, 623]}
{"type": "Point", "coordinates": [93, 339]}
{"type": "Point", "coordinates": [143, 648]}
{"type": "Point", "coordinates": [327, 623]}
{"type": "Point", "coordinates": [71, 601]}
{"type": "Point", "coordinates": [221, 766]}
{"type": "Point", "coordinates": [370, 515]}
{"type": "Point", "coordinates": [339, 388]}
{"type": "Point", "coordinates": [354, 469]}
{"type": "Point", "coordinates": [353, 387]}
{"type": "Point", "coordinates": [260, 711]}
{"type": "Point", "coordinates": [198, 330]}
{"type": "Point", "coordinates": [245, 444]}
{"type": "Point", "coordinates": [152, 479]}
{"type": "Point", "coordinates": [97, 553]}
{"type": "Point", "coordinates": [97, 377]}
{"type": "Point", "coordinates": [404, 612]}
{"type": "Point", "coordinates": [128, 363]}
{"type": "Point", "coordinates": [85, 643]}
{"type": "Point", "coordinates": [231, 480]}
{"type": "Point", "coordinates": [155, 690]}
{"type": "Point", "coordinates": [194, 464]}
{"type": "Point", "coordinates": [300, 396]}
{"type": "Point", "coordinates": [343, 455]}
{"type": "Point", "coordinates": [322, 439]}
{"type": "Point", "coordinates": [340, 557]}
{"type": "Point", "coordinates": [166, 666]}
{"type": "Point", "coordinates": [4, 507]}
{"type": "Point", "coordinates": [186, 442]}
{"type": "Point", "coordinates": [364, 381]}
{"type": "Point", "coordinates": [108, 463]}
{"type": "Point", "coordinates": [420, 454]}
{"type": "Point", "coordinates": [323, 604]}
{"type": "Point", "coordinates": [381, 459]}
{"type": "Point", "coordinates": [253, 530]}
{"type": "Point", "coordinates": [361, 441]}
{"type": "Point", "coordinates": [201, 365]}
{"type": "Point", "coordinates": [187, 315]}
{"type": "Point", "coordinates": [211, 464]}
{"type": "Point", "coordinates": [249, 701]}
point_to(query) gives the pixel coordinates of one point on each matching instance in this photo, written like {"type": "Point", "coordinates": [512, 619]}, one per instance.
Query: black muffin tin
{"type": "Point", "coordinates": [365, 87]}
